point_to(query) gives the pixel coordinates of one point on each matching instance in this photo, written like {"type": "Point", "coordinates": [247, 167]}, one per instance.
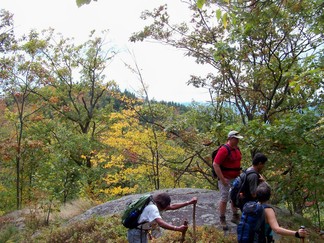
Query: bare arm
{"type": "Point", "coordinates": [175, 206]}
{"type": "Point", "coordinates": [220, 174]}
{"type": "Point", "coordinates": [272, 221]}
{"type": "Point", "coordinates": [167, 226]}
{"type": "Point", "coordinates": [261, 179]}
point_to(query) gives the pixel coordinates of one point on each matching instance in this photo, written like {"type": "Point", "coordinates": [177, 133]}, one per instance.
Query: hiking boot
{"type": "Point", "coordinates": [236, 218]}
{"type": "Point", "coordinates": [222, 221]}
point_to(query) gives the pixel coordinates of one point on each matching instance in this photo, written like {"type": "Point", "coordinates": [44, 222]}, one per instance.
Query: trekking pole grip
{"type": "Point", "coordinates": [184, 233]}
{"type": "Point", "coordinates": [302, 239]}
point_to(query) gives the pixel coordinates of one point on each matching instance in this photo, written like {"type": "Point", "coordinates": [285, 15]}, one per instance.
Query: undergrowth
{"type": "Point", "coordinates": [110, 230]}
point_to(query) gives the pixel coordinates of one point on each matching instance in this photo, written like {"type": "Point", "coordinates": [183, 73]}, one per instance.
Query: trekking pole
{"type": "Point", "coordinates": [302, 239]}
{"type": "Point", "coordinates": [194, 222]}
{"type": "Point", "coordinates": [184, 233]}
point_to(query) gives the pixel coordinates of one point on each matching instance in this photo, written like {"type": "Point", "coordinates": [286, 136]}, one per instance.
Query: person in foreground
{"type": "Point", "coordinates": [227, 165]}
{"type": "Point", "coordinates": [263, 194]}
{"type": "Point", "coordinates": [151, 220]}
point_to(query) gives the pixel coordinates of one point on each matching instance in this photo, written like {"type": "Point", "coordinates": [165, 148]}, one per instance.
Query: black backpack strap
{"type": "Point", "coordinates": [264, 205]}
{"type": "Point", "coordinates": [223, 145]}
{"type": "Point", "coordinates": [228, 155]}
{"type": "Point", "coordinates": [228, 149]}
{"type": "Point", "coordinates": [268, 236]}
{"type": "Point", "coordinates": [226, 168]}
{"type": "Point", "coordinates": [261, 220]}
{"type": "Point", "coordinates": [247, 173]}
{"type": "Point", "coordinates": [148, 200]}
{"type": "Point", "coordinates": [250, 172]}
{"type": "Point", "coordinates": [243, 177]}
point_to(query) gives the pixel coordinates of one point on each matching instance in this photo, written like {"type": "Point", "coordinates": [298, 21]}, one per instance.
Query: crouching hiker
{"type": "Point", "coordinates": [259, 220]}
{"type": "Point", "coordinates": [150, 219]}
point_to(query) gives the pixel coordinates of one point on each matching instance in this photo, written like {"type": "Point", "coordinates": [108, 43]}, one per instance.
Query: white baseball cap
{"type": "Point", "coordinates": [234, 134]}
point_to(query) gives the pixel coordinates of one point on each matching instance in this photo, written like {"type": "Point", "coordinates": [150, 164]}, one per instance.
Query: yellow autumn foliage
{"type": "Point", "coordinates": [137, 156]}
{"type": "Point", "coordinates": [2, 188]}
{"type": "Point", "coordinates": [119, 191]}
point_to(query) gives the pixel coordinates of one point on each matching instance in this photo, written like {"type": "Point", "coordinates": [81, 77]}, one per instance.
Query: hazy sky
{"type": "Point", "coordinates": [165, 70]}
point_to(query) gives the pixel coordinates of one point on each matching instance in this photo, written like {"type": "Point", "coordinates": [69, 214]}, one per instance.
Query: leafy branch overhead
{"type": "Point", "coordinates": [264, 58]}
{"type": "Point", "coordinates": [80, 3]}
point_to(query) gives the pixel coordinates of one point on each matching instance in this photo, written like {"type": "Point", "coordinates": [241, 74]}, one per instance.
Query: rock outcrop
{"type": "Point", "coordinates": [206, 208]}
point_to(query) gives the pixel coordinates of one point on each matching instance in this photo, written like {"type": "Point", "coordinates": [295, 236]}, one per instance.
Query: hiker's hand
{"type": "Point", "coordinates": [261, 179]}
{"type": "Point", "coordinates": [193, 200]}
{"type": "Point", "coordinates": [182, 228]}
{"type": "Point", "coordinates": [303, 233]}
{"type": "Point", "coordinates": [226, 182]}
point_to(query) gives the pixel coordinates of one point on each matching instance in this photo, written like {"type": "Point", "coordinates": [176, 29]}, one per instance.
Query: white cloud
{"type": "Point", "coordinates": [164, 69]}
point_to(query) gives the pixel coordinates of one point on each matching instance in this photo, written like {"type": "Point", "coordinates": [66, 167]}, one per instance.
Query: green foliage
{"type": "Point", "coordinates": [263, 48]}
{"type": "Point", "coordinates": [92, 230]}
{"type": "Point", "coordinates": [83, 2]}
{"type": "Point", "coordinates": [301, 165]}
{"type": "Point", "coordinates": [200, 3]}
{"type": "Point", "coordinates": [203, 234]}
{"type": "Point", "coordinates": [292, 144]}
{"type": "Point", "coordinates": [7, 189]}
{"type": "Point", "coordinates": [6, 31]}
{"type": "Point", "coordinates": [9, 233]}
{"type": "Point", "coordinates": [103, 229]}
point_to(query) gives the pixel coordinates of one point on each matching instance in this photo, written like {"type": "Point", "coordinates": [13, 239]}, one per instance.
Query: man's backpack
{"type": "Point", "coordinates": [239, 186]}
{"type": "Point", "coordinates": [133, 211]}
{"type": "Point", "coordinates": [251, 228]}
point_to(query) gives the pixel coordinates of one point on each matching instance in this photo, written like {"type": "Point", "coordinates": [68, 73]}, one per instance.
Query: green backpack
{"type": "Point", "coordinates": [133, 211]}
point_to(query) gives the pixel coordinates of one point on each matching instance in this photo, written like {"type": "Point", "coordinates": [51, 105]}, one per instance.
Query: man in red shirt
{"type": "Point", "coordinates": [227, 166]}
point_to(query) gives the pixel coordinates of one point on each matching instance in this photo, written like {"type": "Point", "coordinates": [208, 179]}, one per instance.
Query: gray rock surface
{"type": "Point", "coordinates": [206, 208]}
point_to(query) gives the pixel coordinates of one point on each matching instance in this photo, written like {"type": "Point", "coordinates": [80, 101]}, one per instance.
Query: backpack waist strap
{"type": "Point", "coordinates": [226, 168]}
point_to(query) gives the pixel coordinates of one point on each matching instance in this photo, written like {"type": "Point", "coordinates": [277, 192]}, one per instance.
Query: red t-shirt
{"type": "Point", "coordinates": [232, 161]}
